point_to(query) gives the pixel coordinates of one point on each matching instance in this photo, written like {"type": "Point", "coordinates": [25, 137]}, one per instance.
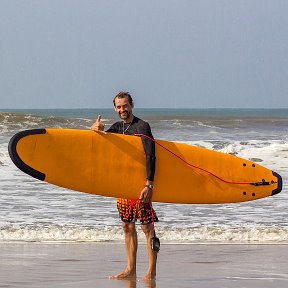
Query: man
{"type": "Point", "coordinates": [129, 213]}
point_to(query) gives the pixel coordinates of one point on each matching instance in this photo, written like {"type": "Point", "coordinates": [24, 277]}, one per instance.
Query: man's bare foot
{"type": "Point", "coordinates": [127, 274]}
{"type": "Point", "coordinates": [150, 281]}
{"type": "Point", "coordinates": [149, 277]}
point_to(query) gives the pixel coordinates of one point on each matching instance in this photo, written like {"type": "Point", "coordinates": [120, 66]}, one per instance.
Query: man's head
{"type": "Point", "coordinates": [122, 95]}
{"type": "Point", "coordinates": [123, 105]}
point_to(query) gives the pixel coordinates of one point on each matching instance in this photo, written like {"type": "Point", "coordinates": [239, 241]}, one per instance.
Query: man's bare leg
{"type": "Point", "coordinates": [131, 243]}
{"type": "Point", "coordinates": [152, 255]}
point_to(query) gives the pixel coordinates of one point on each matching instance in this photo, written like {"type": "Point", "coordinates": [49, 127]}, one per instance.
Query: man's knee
{"type": "Point", "coordinates": [148, 229]}
{"type": "Point", "coordinates": [129, 227]}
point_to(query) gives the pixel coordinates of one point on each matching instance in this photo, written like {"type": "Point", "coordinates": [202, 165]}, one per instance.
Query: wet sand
{"type": "Point", "coordinates": [90, 265]}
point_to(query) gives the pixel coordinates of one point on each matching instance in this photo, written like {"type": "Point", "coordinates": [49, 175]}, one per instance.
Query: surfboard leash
{"type": "Point", "coordinates": [263, 182]}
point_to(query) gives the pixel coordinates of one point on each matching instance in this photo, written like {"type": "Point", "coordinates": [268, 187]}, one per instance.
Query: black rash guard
{"type": "Point", "coordinates": [138, 126]}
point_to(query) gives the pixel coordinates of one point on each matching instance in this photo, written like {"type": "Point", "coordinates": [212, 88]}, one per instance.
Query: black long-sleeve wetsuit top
{"type": "Point", "coordinates": [138, 126]}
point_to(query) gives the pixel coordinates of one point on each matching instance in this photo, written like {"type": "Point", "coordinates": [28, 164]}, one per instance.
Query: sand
{"type": "Point", "coordinates": [91, 264]}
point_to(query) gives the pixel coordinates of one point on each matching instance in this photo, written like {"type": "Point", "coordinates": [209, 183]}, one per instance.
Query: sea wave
{"type": "Point", "coordinates": [269, 153]}
{"type": "Point", "coordinates": [202, 234]}
{"type": "Point", "coordinates": [11, 122]}
{"type": "Point", "coordinates": [27, 202]}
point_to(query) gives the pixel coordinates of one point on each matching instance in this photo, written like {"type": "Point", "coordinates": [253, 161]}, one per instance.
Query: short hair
{"type": "Point", "coordinates": [123, 94]}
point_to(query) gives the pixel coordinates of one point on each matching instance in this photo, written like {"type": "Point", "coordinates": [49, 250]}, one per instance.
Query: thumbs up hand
{"type": "Point", "coordinates": [98, 125]}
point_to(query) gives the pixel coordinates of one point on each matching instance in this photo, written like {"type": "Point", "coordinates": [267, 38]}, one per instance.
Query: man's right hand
{"type": "Point", "coordinates": [98, 125]}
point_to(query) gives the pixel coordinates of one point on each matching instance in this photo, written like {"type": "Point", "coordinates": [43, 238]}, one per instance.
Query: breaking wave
{"type": "Point", "coordinates": [202, 234]}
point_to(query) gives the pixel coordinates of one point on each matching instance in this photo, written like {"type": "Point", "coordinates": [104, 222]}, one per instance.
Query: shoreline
{"type": "Point", "coordinates": [87, 264]}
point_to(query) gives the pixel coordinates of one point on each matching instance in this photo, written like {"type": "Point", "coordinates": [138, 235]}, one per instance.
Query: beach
{"type": "Point", "coordinates": [209, 78]}
{"type": "Point", "coordinates": [184, 265]}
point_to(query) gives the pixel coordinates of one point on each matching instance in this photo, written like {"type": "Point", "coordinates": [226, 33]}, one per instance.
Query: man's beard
{"type": "Point", "coordinates": [125, 115]}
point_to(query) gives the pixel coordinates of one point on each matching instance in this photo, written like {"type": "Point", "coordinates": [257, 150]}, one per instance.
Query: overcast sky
{"type": "Point", "coordinates": [167, 53]}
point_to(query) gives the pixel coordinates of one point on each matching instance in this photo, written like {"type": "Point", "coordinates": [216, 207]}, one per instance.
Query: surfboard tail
{"type": "Point", "coordinates": [12, 149]}
{"type": "Point", "coordinates": [280, 183]}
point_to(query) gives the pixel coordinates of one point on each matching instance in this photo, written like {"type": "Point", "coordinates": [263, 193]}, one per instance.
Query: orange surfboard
{"type": "Point", "coordinates": [113, 165]}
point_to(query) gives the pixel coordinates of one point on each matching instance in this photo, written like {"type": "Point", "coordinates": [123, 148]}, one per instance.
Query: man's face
{"type": "Point", "coordinates": [123, 108]}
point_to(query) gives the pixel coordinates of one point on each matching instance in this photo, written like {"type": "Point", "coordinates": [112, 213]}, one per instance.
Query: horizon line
{"type": "Point", "coordinates": [147, 108]}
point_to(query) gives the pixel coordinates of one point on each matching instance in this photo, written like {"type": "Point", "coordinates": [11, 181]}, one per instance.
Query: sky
{"type": "Point", "coordinates": [166, 53]}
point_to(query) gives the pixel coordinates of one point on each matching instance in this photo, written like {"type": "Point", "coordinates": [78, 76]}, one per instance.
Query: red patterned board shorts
{"type": "Point", "coordinates": [130, 211]}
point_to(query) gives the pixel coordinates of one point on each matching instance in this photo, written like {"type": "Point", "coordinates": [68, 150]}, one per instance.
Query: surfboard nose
{"type": "Point", "coordinates": [279, 181]}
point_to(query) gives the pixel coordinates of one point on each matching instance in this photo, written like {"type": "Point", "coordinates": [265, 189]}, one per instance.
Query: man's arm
{"type": "Point", "coordinates": [149, 148]}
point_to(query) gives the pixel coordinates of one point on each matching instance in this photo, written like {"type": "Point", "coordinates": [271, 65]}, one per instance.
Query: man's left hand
{"type": "Point", "coordinates": [146, 195]}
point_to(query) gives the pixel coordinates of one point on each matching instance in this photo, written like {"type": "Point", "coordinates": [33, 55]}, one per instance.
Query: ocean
{"type": "Point", "coordinates": [34, 211]}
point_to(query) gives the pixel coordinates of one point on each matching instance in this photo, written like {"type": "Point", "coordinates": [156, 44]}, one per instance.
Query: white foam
{"type": "Point", "coordinates": [4, 156]}
{"type": "Point", "coordinates": [273, 153]}
{"type": "Point", "coordinates": [226, 234]}
{"type": "Point", "coordinates": [202, 234]}
{"type": "Point", "coordinates": [201, 124]}
{"type": "Point", "coordinates": [57, 233]}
